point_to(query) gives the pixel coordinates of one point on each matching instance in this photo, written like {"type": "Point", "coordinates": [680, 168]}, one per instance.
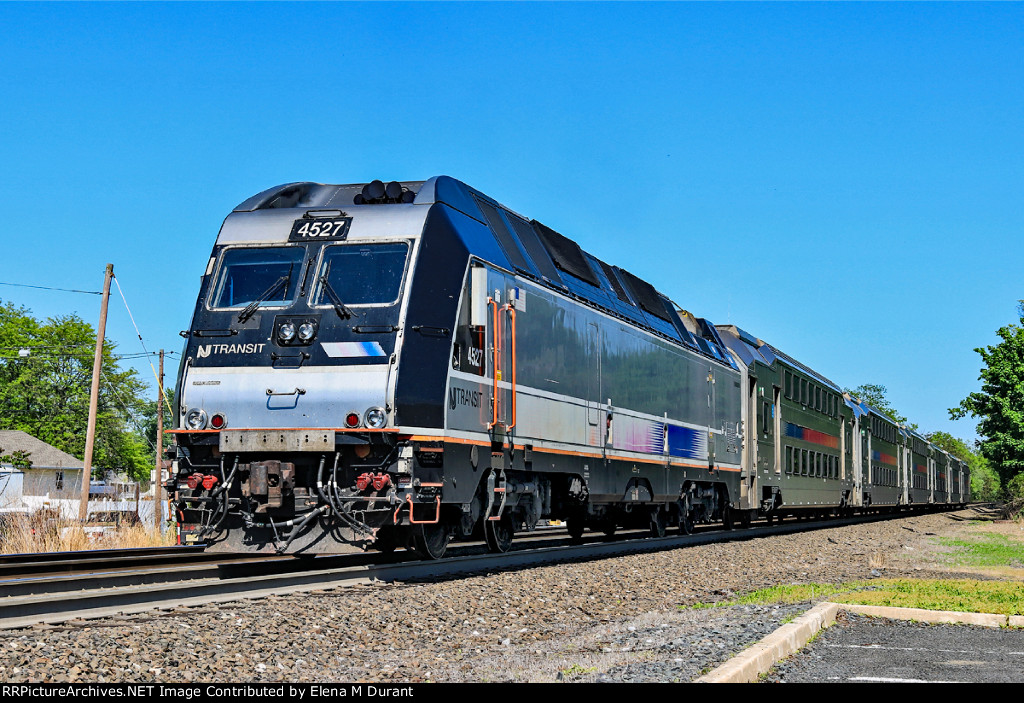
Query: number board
{"type": "Point", "coordinates": [320, 228]}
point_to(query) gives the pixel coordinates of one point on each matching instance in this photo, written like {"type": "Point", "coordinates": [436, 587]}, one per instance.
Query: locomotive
{"type": "Point", "coordinates": [404, 364]}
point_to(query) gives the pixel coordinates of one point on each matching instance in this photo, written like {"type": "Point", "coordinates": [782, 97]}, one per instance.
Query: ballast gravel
{"type": "Point", "coordinates": [623, 619]}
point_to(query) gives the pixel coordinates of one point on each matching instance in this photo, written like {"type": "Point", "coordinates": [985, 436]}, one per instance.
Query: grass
{"type": "Point", "coordinates": [993, 553]}
{"type": "Point", "coordinates": [962, 595]}
{"type": "Point", "coordinates": [577, 670]}
{"type": "Point", "coordinates": [783, 594]}
{"type": "Point", "coordinates": [45, 532]}
{"type": "Point", "coordinates": [988, 549]}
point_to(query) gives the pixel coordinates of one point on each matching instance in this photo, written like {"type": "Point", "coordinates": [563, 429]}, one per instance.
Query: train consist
{"type": "Point", "coordinates": [400, 365]}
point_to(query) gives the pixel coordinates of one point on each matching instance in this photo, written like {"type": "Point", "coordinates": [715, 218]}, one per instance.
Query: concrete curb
{"type": "Point", "coordinates": [761, 657]}
{"type": "Point", "coordinates": [758, 659]}
{"type": "Point", "coordinates": [947, 616]}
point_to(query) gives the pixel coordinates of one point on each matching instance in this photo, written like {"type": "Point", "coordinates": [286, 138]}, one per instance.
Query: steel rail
{"type": "Point", "coordinates": [97, 554]}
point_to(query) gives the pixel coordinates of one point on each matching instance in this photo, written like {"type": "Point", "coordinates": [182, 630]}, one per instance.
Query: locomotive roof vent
{"type": "Point", "coordinates": [376, 193]}
{"type": "Point", "coordinates": [319, 195]}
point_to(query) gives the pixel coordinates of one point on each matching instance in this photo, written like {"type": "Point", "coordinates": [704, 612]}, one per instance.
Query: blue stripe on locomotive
{"type": "Point", "coordinates": [687, 443]}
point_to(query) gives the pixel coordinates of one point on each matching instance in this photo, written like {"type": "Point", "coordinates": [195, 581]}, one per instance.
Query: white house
{"type": "Point", "coordinates": [54, 481]}
{"type": "Point", "coordinates": [54, 474]}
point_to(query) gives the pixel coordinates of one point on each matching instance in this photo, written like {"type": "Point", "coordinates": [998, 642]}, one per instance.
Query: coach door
{"type": "Point", "coordinates": [503, 354]}
{"type": "Point", "coordinates": [495, 308]}
{"type": "Point", "coordinates": [858, 443]}
{"type": "Point", "coordinates": [594, 430]}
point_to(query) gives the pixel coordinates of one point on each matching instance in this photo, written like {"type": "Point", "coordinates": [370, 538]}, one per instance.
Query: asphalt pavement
{"type": "Point", "coordinates": [881, 650]}
{"type": "Point", "coordinates": [834, 643]}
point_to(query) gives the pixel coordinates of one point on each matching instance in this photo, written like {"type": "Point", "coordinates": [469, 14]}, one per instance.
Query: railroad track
{"type": "Point", "coordinates": [86, 586]}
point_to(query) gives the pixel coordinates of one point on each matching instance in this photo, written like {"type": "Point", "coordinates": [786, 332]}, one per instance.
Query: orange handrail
{"type": "Point", "coordinates": [495, 362]}
{"type": "Point", "coordinates": [512, 319]}
{"type": "Point", "coordinates": [412, 520]}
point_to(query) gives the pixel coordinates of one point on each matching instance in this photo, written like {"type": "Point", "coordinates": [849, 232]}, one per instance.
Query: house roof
{"type": "Point", "coordinates": [41, 454]}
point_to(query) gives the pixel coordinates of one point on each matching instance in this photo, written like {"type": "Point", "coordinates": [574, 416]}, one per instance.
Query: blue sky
{"type": "Point", "coordinates": [842, 180]}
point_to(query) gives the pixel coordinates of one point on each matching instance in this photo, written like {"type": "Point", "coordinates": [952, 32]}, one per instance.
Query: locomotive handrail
{"type": "Point", "coordinates": [297, 391]}
{"type": "Point", "coordinates": [413, 520]}
{"type": "Point", "coordinates": [512, 352]}
{"type": "Point", "coordinates": [495, 362]}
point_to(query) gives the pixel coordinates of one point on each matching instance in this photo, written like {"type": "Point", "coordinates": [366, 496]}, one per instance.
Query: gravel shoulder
{"type": "Point", "coordinates": [620, 619]}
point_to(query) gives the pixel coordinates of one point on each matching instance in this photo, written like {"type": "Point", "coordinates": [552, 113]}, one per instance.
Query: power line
{"type": "Point", "coordinates": [64, 290]}
{"type": "Point", "coordinates": [86, 353]}
{"type": "Point", "coordinates": [132, 318]}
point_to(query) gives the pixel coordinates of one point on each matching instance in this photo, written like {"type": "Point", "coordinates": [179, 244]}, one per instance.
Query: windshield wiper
{"type": "Point", "coordinates": [339, 307]}
{"type": "Point", "coordinates": [249, 309]}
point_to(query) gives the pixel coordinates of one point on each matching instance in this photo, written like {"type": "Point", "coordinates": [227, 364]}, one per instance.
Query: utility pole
{"type": "Point", "coordinates": [94, 395]}
{"type": "Point", "coordinates": [158, 505]}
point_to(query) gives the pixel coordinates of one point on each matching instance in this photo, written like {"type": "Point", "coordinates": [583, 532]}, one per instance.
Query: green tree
{"type": "Point", "coordinates": [19, 458]}
{"type": "Point", "coordinates": [875, 396]}
{"type": "Point", "coordinates": [984, 480]}
{"type": "Point", "coordinates": [1000, 402]}
{"type": "Point", "coordinates": [45, 377]}
{"type": "Point", "coordinates": [148, 424]}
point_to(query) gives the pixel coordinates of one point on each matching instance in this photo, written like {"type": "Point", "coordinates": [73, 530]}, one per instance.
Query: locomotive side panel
{"type": "Point", "coordinates": [632, 416]}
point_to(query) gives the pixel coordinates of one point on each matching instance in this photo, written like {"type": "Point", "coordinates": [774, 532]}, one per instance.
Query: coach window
{"type": "Point", "coordinates": [269, 275]}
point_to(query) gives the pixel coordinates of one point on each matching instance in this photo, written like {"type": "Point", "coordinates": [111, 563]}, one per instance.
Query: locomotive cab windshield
{"type": "Point", "coordinates": [264, 276]}
{"type": "Point", "coordinates": [361, 274]}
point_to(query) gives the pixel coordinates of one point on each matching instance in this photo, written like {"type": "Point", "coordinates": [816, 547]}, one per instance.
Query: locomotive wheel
{"type": "Point", "coordinates": [499, 534]}
{"type": "Point", "coordinates": [686, 522]}
{"type": "Point", "coordinates": [726, 517]}
{"type": "Point", "coordinates": [387, 540]}
{"type": "Point", "coordinates": [608, 528]}
{"type": "Point", "coordinates": [576, 526]}
{"type": "Point", "coordinates": [430, 541]}
{"type": "Point", "coordinates": [745, 519]}
{"type": "Point", "coordinates": [657, 523]}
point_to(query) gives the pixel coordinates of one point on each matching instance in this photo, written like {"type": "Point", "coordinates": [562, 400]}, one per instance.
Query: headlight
{"type": "Point", "coordinates": [306, 331]}
{"type": "Point", "coordinates": [375, 418]}
{"type": "Point", "coordinates": [195, 419]}
{"type": "Point", "coordinates": [287, 332]}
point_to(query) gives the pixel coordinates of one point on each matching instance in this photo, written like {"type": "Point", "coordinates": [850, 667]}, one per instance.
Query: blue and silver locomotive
{"type": "Point", "coordinates": [401, 365]}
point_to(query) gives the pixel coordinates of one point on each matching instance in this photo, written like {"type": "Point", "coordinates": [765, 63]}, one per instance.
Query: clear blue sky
{"type": "Point", "coordinates": [842, 180]}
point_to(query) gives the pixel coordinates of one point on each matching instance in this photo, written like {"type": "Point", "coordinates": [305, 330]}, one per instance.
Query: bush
{"type": "Point", "coordinates": [1014, 507]}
